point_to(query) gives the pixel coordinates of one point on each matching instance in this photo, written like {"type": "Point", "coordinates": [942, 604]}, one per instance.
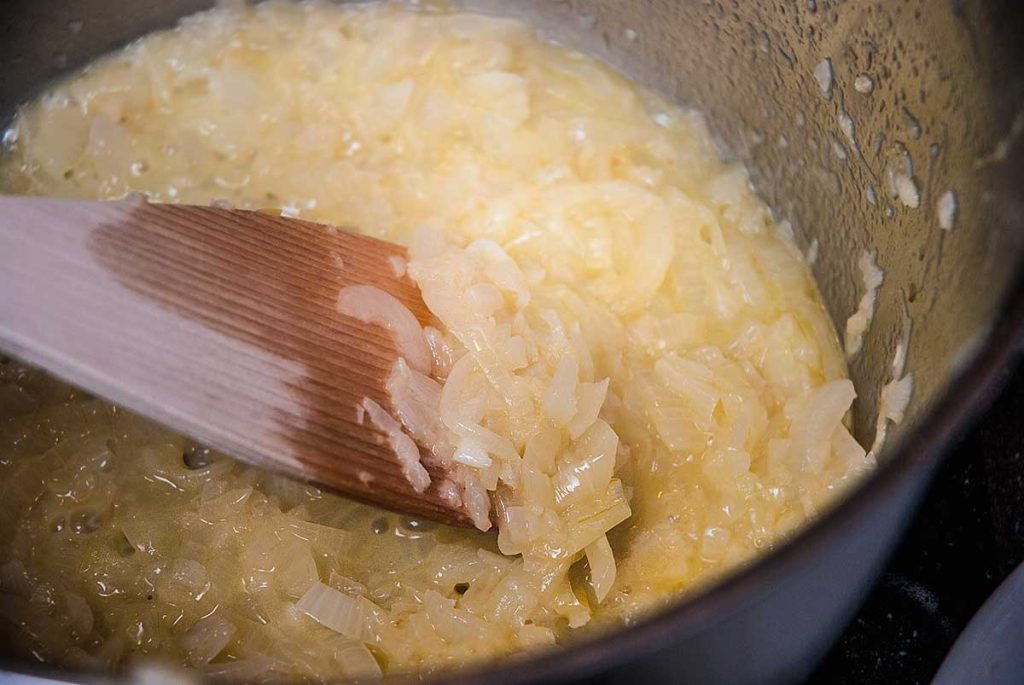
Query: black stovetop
{"type": "Point", "coordinates": [966, 538]}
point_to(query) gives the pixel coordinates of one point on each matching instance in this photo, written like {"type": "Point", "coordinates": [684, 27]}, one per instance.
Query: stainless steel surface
{"type": "Point", "coordinates": [947, 95]}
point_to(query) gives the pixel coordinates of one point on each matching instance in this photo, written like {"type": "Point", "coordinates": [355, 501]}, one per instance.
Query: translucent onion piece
{"type": "Point", "coordinates": [592, 518]}
{"type": "Point", "coordinates": [356, 661]}
{"type": "Point", "coordinates": [471, 454]}
{"type": "Point", "coordinates": [257, 668]}
{"type": "Point", "coordinates": [591, 399]}
{"type": "Point", "coordinates": [453, 413]}
{"type": "Point", "coordinates": [416, 399]}
{"type": "Point", "coordinates": [79, 613]}
{"type": "Point", "coordinates": [346, 585]}
{"type": "Point", "coordinates": [295, 570]}
{"type": "Point", "coordinates": [335, 610]}
{"type": "Point", "coordinates": [814, 418]}
{"type": "Point", "coordinates": [373, 305]}
{"type": "Point", "coordinates": [892, 404]}
{"type": "Point", "coordinates": [560, 399]}
{"type": "Point", "coordinates": [207, 638]}
{"type": "Point", "coordinates": [858, 323]}
{"type": "Point", "coordinates": [602, 567]}
{"type": "Point", "coordinates": [405, 449]}
{"type": "Point", "coordinates": [692, 382]}
{"type": "Point", "coordinates": [188, 573]}
{"type": "Point", "coordinates": [590, 470]}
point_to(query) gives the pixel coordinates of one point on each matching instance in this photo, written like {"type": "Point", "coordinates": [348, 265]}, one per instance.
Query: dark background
{"type": "Point", "coordinates": [966, 538]}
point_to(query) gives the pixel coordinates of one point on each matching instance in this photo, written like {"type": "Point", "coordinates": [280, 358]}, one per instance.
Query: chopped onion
{"type": "Point", "coordinates": [602, 566]}
{"type": "Point", "coordinates": [295, 569]}
{"type": "Point", "coordinates": [372, 305]}
{"type": "Point", "coordinates": [560, 399]}
{"type": "Point", "coordinates": [858, 323]}
{"type": "Point", "coordinates": [248, 670]}
{"type": "Point", "coordinates": [471, 454]}
{"type": "Point", "coordinates": [357, 662]}
{"type": "Point", "coordinates": [324, 538]}
{"type": "Point", "coordinates": [188, 573]}
{"type": "Point", "coordinates": [592, 518]}
{"type": "Point", "coordinates": [502, 269]}
{"type": "Point", "coordinates": [207, 638]}
{"type": "Point", "coordinates": [590, 471]}
{"type": "Point", "coordinates": [516, 352]}
{"type": "Point", "coordinates": [398, 265]}
{"type": "Point", "coordinates": [336, 610]}
{"type": "Point", "coordinates": [892, 404]}
{"type": "Point", "coordinates": [591, 399]}
{"type": "Point", "coordinates": [416, 399]}
{"type": "Point", "coordinates": [453, 415]}
{"type": "Point", "coordinates": [848, 451]}
{"type": "Point", "coordinates": [405, 449]}
{"type": "Point", "coordinates": [542, 449]}
{"type": "Point", "coordinates": [895, 398]}
{"type": "Point", "coordinates": [440, 350]}
{"type": "Point", "coordinates": [692, 382]}
{"type": "Point", "coordinates": [714, 543]}
{"type": "Point", "coordinates": [79, 613]}
{"type": "Point", "coordinates": [346, 585]}
{"type": "Point", "coordinates": [814, 418]}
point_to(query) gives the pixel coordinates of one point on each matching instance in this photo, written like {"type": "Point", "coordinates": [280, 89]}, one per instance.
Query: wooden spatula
{"type": "Point", "coordinates": [222, 324]}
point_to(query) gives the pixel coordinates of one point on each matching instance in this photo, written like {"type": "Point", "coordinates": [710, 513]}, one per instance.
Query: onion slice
{"type": "Point", "coordinates": [372, 305]}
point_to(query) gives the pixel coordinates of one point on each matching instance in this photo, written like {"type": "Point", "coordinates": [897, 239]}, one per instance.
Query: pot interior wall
{"type": "Point", "coordinates": [823, 101]}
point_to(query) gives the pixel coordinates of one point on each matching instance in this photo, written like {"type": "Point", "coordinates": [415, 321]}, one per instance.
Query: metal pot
{"type": "Point", "coordinates": [821, 100]}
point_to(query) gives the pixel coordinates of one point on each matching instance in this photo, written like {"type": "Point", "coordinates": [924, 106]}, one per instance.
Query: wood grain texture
{"type": "Point", "coordinates": [218, 323]}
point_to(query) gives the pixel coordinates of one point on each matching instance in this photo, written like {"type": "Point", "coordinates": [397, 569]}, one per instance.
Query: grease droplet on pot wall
{"type": "Point", "coordinates": [863, 84]}
{"type": "Point", "coordinates": [848, 128]}
{"type": "Point", "coordinates": [823, 75]}
{"type": "Point", "coordinates": [906, 190]}
{"type": "Point", "coordinates": [870, 195]}
{"type": "Point", "coordinates": [946, 210]}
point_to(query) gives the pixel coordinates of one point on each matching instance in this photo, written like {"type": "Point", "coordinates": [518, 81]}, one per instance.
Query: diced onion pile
{"type": "Point", "coordinates": [633, 361]}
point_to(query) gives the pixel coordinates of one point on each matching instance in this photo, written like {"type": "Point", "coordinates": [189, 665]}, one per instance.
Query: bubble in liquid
{"type": "Point", "coordinates": [197, 457]}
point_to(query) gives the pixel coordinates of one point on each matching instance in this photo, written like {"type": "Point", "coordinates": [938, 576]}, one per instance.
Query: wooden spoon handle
{"type": "Point", "coordinates": [218, 323]}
